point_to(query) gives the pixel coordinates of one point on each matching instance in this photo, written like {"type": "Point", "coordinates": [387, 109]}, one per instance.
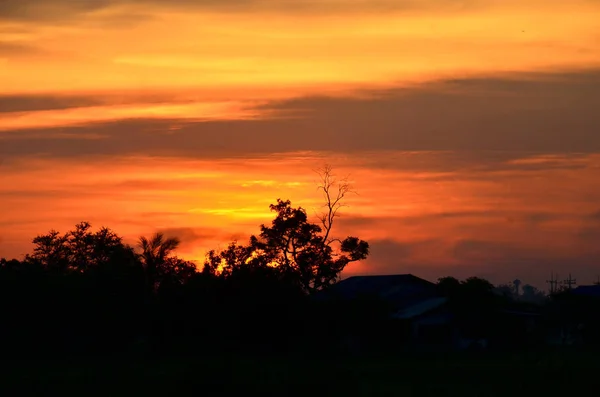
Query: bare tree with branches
{"type": "Point", "coordinates": [334, 191]}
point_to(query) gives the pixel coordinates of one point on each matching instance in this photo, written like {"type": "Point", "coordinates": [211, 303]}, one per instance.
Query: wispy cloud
{"type": "Point", "coordinates": [191, 112]}
{"type": "Point", "coordinates": [323, 44]}
{"type": "Point", "coordinates": [477, 117]}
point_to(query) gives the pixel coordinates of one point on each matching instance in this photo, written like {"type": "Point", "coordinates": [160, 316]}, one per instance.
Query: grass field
{"type": "Point", "coordinates": [547, 374]}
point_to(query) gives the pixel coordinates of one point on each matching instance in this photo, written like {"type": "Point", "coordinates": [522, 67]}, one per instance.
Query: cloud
{"type": "Point", "coordinates": [10, 49]}
{"type": "Point", "coordinates": [191, 235]}
{"type": "Point", "coordinates": [48, 9]}
{"type": "Point", "coordinates": [590, 230]}
{"type": "Point", "coordinates": [192, 238]}
{"type": "Point", "coordinates": [62, 9]}
{"type": "Point", "coordinates": [471, 251]}
{"type": "Point", "coordinates": [526, 218]}
{"type": "Point", "coordinates": [22, 103]}
{"type": "Point", "coordinates": [388, 252]}
{"type": "Point", "coordinates": [555, 113]}
{"type": "Point", "coordinates": [42, 102]}
{"type": "Point", "coordinates": [547, 113]}
{"type": "Point", "coordinates": [499, 262]}
{"type": "Point", "coordinates": [124, 13]}
{"type": "Point", "coordinates": [393, 257]}
{"type": "Point", "coordinates": [529, 262]}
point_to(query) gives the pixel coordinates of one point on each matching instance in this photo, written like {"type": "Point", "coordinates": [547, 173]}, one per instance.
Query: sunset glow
{"type": "Point", "coordinates": [470, 130]}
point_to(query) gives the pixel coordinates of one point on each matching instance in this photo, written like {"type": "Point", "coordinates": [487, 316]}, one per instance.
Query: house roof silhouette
{"type": "Point", "coordinates": [587, 290]}
{"type": "Point", "coordinates": [401, 290]}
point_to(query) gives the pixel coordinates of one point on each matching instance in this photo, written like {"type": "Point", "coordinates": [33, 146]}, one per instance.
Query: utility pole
{"type": "Point", "coordinates": [570, 282]}
{"type": "Point", "coordinates": [553, 283]}
{"type": "Point", "coordinates": [597, 281]}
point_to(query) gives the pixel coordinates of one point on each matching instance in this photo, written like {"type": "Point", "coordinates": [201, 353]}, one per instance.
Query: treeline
{"type": "Point", "coordinates": [87, 292]}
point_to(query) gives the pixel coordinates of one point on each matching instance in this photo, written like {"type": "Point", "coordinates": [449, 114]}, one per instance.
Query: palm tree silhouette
{"type": "Point", "coordinates": [155, 254]}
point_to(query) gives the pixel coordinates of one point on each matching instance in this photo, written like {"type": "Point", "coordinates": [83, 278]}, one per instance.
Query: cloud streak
{"type": "Point", "coordinates": [59, 9]}
{"type": "Point", "coordinates": [194, 46]}
{"type": "Point", "coordinates": [548, 113]}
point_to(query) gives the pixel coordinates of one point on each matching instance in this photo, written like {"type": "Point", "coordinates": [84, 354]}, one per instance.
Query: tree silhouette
{"type": "Point", "coordinates": [159, 264]}
{"type": "Point", "coordinates": [232, 259]}
{"type": "Point", "coordinates": [448, 286]}
{"type": "Point", "coordinates": [506, 290]}
{"type": "Point", "coordinates": [50, 251]}
{"type": "Point", "coordinates": [80, 249]}
{"type": "Point", "coordinates": [532, 294]}
{"type": "Point", "coordinates": [292, 247]}
{"type": "Point", "coordinates": [477, 286]}
{"type": "Point", "coordinates": [472, 302]}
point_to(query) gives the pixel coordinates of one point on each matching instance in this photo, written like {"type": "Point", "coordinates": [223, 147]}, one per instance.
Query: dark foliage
{"type": "Point", "coordinates": [87, 292]}
{"type": "Point", "coordinates": [292, 250]}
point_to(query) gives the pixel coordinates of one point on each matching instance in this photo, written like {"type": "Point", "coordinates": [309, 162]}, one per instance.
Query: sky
{"type": "Point", "coordinates": [469, 129]}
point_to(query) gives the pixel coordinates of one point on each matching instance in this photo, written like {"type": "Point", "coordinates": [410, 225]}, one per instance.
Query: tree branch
{"type": "Point", "coordinates": [334, 191]}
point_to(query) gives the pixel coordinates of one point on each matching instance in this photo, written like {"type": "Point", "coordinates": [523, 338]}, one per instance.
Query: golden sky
{"type": "Point", "coordinates": [470, 127]}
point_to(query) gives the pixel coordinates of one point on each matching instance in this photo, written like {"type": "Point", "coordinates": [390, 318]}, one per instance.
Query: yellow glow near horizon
{"type": "Point", "coordinates": [204, 203]}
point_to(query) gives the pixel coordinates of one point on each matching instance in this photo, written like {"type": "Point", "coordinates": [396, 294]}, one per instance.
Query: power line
{"type": "Point", "coordinates": [570, 282]}
{"type": "Point", "coordinates": [553, 283]}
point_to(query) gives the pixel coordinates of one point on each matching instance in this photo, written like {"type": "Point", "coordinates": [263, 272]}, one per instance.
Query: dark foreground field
{"type": "Point", "coordinates": [547, 374]}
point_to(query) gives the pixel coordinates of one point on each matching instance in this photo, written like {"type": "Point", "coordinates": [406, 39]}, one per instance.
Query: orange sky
{"type": "Point", "coordinates": [469, 127]}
